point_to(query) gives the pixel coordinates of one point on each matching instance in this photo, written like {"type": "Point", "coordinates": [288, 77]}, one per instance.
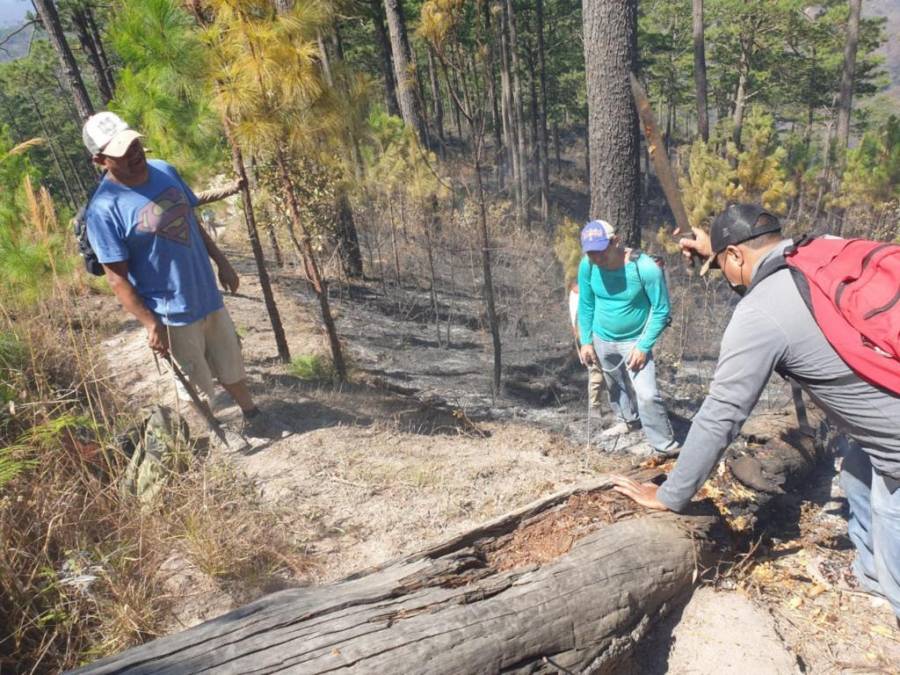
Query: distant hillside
{"type": "Point", "coordinates": [17, 45]}
{"type": "Point", "coordinates": [889, 9]}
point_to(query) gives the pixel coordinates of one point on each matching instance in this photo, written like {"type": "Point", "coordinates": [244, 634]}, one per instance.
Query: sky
{"type": "Point", "coordinates": [12, 12]}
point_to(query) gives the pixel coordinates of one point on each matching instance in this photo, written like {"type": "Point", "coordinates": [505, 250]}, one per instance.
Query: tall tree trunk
{"type": "Point", "coordinates": [825, 176]}
{"type": "Point", "coordinates": [490, 82]}
{"type": "Point", "coordinates": [337, 43]}
{"type": "Point", "coordinates": [490, 78]}
{"type": "Point", "coordinates": [610, 54]}
{"type": "Point", "coordinates": [450, 79]}
{"type": "Point", "coordinates": [323, 57]}
{"type": "Point", "coordinates": [79, 20]}
{"type": "Point", "coordinates": [493, 321]}
{"type": "Point", "coordinates": [433, 226]}
{"type": "Point", "coordinates": [700, 70]}
{"type": "Point", "coordinates": [740, 97]}
{"type": "Point", "coordinates": [348, 240]}
{"type": "Point", "coordinates": [101, 52]}
{"type": "Point", "coordinates": [420, 94]}
{"type": "Point", "coordinates": [50, 19]}
{"type": "Point", "coordinates": [521, 213]}
{"type": "Point", "coordinates": [556, 148]}
{"type": "Point", "coordinates": [544, 166]}
{"type": "Point", "coordinates": [845, 101]}
{"type": "Point", "coordinates": [237, 163]}
{"type": "Point", "coordinates": [464, 86]}
{"type": "Point", "coordinates": [312, 267]}
{"type": "Point", "coordinates": [403, 72]}
{"type": "Point", "coordinates": [387, 66]}
{"type": "Point", "coordinates": [437, 105]}
{"type": "Point", "coordinates": [510, 138]}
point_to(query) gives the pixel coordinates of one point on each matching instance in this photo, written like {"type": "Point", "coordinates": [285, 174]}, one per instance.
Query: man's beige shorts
{"type": "Point", "coordinates": [208, 349]}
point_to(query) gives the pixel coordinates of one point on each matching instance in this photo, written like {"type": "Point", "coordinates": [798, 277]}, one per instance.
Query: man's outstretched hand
{"type": "Point", "coordinates": [643, 493]}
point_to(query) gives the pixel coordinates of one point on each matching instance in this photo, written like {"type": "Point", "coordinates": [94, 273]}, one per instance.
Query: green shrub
{"type": "Point", "coordinates": [312, 368]}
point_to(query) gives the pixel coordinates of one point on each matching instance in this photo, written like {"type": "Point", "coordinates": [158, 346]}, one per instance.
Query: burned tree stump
{"type": "Point", "coordinates": [773, 456]}
{"type": "Point", "coordinates": [569, 583]}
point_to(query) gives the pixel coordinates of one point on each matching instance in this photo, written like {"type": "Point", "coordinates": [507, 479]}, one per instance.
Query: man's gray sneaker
{"type": "Point", "coordinates": [620, 428]}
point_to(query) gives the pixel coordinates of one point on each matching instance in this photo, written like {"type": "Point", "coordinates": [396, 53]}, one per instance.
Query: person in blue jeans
{"type": "Point", "coordinates": [773, 330]}
{"type": "Point", "coordinates": [623, 308]}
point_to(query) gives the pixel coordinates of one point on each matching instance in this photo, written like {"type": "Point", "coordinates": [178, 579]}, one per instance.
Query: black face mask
{"type": "Point", "coordinates": [740, 289]}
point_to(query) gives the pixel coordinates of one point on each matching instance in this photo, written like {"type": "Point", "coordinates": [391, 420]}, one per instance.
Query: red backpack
{"type": "Point", "coordinates": [852, 288]}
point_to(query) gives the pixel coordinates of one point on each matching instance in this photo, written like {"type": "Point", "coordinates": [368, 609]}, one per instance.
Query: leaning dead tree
{"type": "Point", "coordinates": [569, 583]}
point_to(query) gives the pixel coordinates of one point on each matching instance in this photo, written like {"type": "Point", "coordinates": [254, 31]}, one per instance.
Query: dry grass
{"type": "Point", "coordinates": [79, 561]}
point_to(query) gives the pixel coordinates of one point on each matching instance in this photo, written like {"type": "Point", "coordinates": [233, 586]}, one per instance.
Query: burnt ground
{"type": "Point", "coordinates": [415, 449]}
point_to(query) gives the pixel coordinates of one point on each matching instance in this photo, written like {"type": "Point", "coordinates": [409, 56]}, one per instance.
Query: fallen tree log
{"type": "Point", "coordinates": [569, 583]}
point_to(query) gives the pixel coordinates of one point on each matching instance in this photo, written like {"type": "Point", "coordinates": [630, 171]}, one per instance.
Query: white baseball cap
{"type": "Point", "coordinates": [109, 134]}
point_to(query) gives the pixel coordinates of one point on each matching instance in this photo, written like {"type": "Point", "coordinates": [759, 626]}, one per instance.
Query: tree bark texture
{"type": "Point", "coordinates": [610, 53]}
{"type": "Point", "coordinates": [570, 583]}
{"type": "Point", "coordinates": [700, 70]}
{"type": "Point", "coordinates": [50, 19]}
{"type": "Point", "coordinates": [455, 608]}
{"type": "Point", "coordinates": [403, 69]}
{"type": "Point", "coordinates": [387, 66]}
{"type": "Point", "coordinates": [848, 75]}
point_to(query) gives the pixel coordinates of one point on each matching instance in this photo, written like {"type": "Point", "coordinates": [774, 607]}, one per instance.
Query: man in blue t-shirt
{"type": "Point", "coordinates": [141, 225]}
{"type": "Point", "coordinates": [623, 307]}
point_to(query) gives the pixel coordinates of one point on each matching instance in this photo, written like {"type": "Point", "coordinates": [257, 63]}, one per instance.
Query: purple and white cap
{"type": "Point", "coordinates": [596, 235]}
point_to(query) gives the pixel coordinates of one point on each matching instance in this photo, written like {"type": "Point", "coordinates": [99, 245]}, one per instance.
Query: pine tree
{"type": "Point", "coordinates": [269, 89]}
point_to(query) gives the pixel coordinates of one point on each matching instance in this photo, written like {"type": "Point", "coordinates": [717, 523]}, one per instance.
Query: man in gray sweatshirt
{"type": "Point", "coordinates": [772, 330]}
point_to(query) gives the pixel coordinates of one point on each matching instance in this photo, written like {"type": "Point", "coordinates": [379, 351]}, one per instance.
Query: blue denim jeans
{"type": "Point", "coordinates": [634, 395]}
{"type": "Point", "coordinates": [874, 526]}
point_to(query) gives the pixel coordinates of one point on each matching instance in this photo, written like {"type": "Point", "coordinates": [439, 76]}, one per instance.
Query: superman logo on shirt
{"type": "Point", "coordinates": [167, 216]}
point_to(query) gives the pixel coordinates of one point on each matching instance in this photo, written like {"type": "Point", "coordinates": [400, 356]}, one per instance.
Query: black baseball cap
{"type": "Point", "coordinates": [736, 224]}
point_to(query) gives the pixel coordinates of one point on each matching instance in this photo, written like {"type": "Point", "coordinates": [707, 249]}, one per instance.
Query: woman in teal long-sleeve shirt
{"type": "Point", "coordinates": [623, 308]}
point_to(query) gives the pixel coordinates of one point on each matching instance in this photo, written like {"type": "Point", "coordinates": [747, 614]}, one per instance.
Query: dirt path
{"type": "Point", "coordinates": [715, 632]}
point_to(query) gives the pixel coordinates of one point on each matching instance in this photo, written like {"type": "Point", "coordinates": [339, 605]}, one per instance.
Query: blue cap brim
{"type": "Point", "coordinates": [596, 246]}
